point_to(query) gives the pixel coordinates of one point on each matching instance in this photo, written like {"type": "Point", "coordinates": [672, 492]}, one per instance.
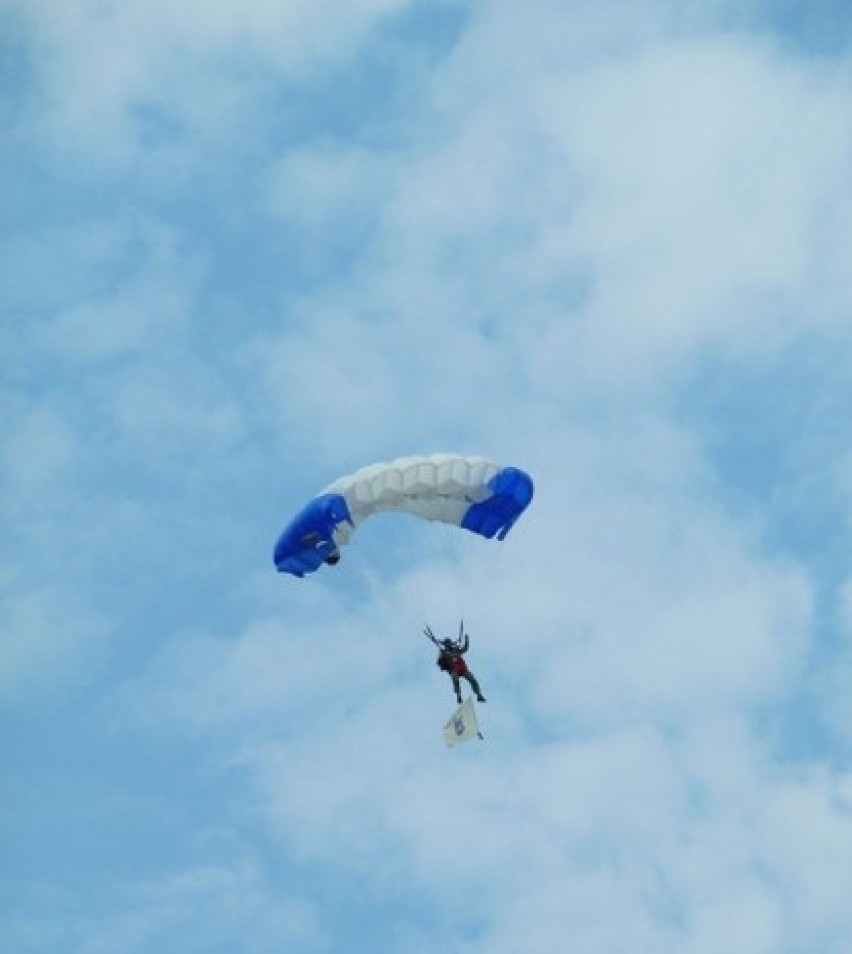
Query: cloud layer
{"type": "Point", "coordinates": [253, 247]}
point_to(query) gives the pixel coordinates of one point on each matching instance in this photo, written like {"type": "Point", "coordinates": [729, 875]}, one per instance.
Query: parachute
{"type": "Point", "coordinates": [472, 493]}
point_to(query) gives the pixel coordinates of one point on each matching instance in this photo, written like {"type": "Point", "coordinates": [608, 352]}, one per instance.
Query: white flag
{"type": "Point", "coordinates": [463, 724]}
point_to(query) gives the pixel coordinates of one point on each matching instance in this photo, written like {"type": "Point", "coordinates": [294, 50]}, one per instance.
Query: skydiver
{"type": "Point", "coordinates": [450, 660]}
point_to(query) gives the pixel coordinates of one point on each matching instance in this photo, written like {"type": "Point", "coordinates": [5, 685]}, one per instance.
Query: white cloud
{"type": "Point", "coordinates": [44, 268]}
{"type": "Point", "coordinates": [684, 185]}
{"type": "Point", "coordinates": [40, 456]}
{"type": "Point", "coordinates": [145, 310]}
{"type": "Point", "coordinates": [659, 830]}
{"type": "Point", "coordinates": [328, 188]}
{"type": "Point", "coordinates": [806, 831]}
{"type": "Point", "coordinates": [112, 75]}
{"type": "Point", "coordinates": [215, 905]}
{"type": "Point", "coordinates": [274, 672]}
{"type": "Point", "coordinates": [51, 640]}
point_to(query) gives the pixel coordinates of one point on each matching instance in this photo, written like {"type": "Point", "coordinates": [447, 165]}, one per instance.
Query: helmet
{"type": "Point", "coordinates": [448, 644]}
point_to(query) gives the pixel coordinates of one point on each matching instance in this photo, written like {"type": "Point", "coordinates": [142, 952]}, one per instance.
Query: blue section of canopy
{"type": "Point", "coordinates": [308, 539]}
{"type": "Point", "coordinates": [512, 490]}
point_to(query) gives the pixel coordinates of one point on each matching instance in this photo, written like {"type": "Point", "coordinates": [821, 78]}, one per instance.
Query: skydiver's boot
{"type": "Point", "coordinates": [480, 698]}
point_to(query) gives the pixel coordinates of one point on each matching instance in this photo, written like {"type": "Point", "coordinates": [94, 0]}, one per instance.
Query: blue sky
{"type": "Point", "coordinates": [249, 247]}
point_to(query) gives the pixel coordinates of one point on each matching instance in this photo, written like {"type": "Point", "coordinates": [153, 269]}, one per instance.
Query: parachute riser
{"type": "Point", "coordinates": [427, 632]}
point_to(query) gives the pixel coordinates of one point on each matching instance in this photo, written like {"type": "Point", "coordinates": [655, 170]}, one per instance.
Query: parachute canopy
{"type": "Point", "coordinates": [473, 493]}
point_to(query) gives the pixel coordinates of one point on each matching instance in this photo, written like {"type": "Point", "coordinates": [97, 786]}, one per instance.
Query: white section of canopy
{"type": "Point", "coordinates": [438, 487]}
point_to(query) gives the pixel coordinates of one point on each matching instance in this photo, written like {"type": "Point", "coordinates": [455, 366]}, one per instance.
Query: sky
{"type": "Point", "coordinates": [248, 246]}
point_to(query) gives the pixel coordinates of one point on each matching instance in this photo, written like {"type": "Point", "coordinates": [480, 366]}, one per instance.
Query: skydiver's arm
{"type": "Point", "coordinates": [464, 644]}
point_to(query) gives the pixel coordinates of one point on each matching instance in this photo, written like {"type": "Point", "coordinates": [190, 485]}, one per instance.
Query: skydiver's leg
{"type": "Point", "coordinates": [474, 685]}
{"type": "Point", "coordinates": [456, 686]}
